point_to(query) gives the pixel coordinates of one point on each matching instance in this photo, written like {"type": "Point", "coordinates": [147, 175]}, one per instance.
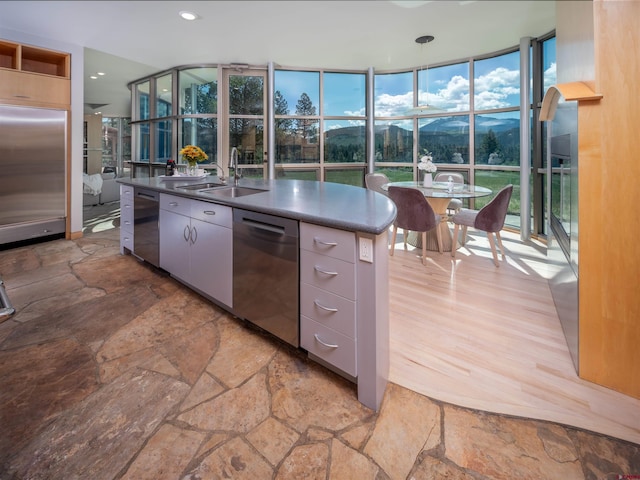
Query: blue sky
{"type": "Point", "coordinates": [496, 83]}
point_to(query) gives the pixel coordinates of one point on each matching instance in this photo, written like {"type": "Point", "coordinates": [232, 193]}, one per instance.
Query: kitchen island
{"type": "Point", "coordinates": [340, 300]}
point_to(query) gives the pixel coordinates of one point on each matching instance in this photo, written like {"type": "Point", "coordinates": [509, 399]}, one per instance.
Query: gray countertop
{"type": "Point", "coordinates": [323, 203]}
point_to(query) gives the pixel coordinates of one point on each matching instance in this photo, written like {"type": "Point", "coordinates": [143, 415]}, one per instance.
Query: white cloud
{"type": "Point", "coordinates": [491, 91]}
{"type": "Point", "coordinates": [550, 76]}
{"type": "Point", "coordinates": [391, 105]}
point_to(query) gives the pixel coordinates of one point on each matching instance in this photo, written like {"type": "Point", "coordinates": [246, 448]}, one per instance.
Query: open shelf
{"type": "Point", "coordinates": [37, 60]}
{"type": "Point", "coordinates": [25, 58]}
{"type": "Point", "coordinates": [9, 55]}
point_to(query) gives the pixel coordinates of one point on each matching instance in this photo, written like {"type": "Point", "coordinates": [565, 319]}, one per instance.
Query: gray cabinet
{"type": "Point", "coordinates": [343, 279]}
{"type": "Point", "coordinates": [328, 296]}
{"type": "Point", "coordinates": [126, 218]}
{"type": "Point", "coordinates": [196, 245]}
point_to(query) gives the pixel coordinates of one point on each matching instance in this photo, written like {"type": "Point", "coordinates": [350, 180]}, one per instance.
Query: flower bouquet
{"type": "Point", "coordinates": [193, 155]}
{"type": "Point", "coordinates": [428, 167]}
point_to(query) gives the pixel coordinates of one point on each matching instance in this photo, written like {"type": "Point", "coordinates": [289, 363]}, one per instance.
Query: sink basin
{"type": "Point", "coordinates": [232, 192]}
{"type": "Point", "coordinates": [200, 186]}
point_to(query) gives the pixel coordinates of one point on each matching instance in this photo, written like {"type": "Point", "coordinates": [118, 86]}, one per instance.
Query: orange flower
{"type": "Point", "coordinates": [193, 154]}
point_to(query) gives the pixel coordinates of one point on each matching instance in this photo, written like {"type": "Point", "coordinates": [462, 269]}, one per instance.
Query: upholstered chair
{"type": "Point", "coordinates": [415, 214]}
{"type": "Point", "coordinates": [489, 219]}
{"type": "Point", "coordinates": [455, 204]}
{"type": "Point", "coordinates": [374, 181]}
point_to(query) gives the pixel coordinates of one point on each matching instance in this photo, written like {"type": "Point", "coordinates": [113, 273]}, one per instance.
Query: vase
{"type": "Point", "coordinates": [428, 180]}
{"type": "Point", "coordinates": [193, 169]}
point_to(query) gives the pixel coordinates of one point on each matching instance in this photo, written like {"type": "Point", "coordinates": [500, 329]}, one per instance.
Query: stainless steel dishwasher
{"type": "Point", "coordinates": [146, 237]}
{"type": "Point", "coordinates": [265, 273]}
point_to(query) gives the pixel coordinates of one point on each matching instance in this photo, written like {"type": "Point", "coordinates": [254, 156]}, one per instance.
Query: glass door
{"type": "Point", "coordinates": [246, 117]}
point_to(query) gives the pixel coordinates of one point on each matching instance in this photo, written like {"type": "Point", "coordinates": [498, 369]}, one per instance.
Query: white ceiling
{"type": "Point", "coordinates": [131, 39]}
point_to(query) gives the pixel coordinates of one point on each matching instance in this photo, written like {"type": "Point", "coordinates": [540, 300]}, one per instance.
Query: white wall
{"type": "Point", "coordinates": [77, 113]}
{"type": "Point", "coordinates": [575, 56]}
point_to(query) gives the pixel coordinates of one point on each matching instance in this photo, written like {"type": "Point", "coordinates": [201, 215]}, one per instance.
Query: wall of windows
{"type": "Point", "coordinates": [320, 122]}
{"type": "Point", "coordinates": [116, 144]}
{"type": "Point", "coordinates": [465, 114]}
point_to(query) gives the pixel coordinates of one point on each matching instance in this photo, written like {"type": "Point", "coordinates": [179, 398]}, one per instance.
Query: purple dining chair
{"type": "Point", "coordinates": [415, 214]}
{"type": "Point", "coordinates": [489, 219]}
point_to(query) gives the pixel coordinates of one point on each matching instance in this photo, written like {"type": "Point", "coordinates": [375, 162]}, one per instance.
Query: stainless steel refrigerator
{"type": "Point", "coordinates": [32, 173]}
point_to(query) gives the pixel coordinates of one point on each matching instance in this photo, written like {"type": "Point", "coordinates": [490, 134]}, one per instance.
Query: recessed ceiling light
{"type": "Point", "coordinates": [100, 73]}
{"type": "Point", "coordinates": [93, 77]}
{"type": "Point", "coordinates": [189, 15]}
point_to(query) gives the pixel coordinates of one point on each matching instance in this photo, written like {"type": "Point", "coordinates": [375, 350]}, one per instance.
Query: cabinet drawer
{"type": "Point", "coordinates": [126, 218]}
{"type": "Point", "coordinates": [126, 193]}
{"type": "Point", "coordinates": [331, 274]}
{"type": "Point", "coordinates": [126, 240]}
{"type": "Point", "coordinates": [212, 213]}
{"type": "Point", "coordinates": [329, 345]}
{"type": "Point", "coordinates": [126, 208]}
{"type": "Point", "coordinates": [328, 309]}
{"type": "Point", "coordinates": [328, 241]}
{"type": "Point", "coordinates": [172, 203]}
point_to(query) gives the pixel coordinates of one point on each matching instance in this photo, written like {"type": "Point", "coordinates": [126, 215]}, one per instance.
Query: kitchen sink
{"type": "Point", "coordinates": [200, 186]}
{"type": "Point", "coordinates": [232, 191]}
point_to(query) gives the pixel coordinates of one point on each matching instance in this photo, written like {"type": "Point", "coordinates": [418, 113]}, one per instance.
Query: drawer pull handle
{"type": "Point", "coordinates": [173, 204]}
{"type": "Point", "coordinates": [328, 345]}
{"type": "Point", "coordinates": [322, 242]}
{"type": "Point", "coordinates": [328, 309]}
{"type": "Point", "coordinates": [186, 234]}
{"type": "Point", "coordinates": [319, 270]}
{"type": "Point", "coordinates": [209, 212]}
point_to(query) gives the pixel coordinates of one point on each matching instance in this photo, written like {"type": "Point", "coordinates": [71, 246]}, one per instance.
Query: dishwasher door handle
{"type": "Point", "coordinates": [265, 226]}
{"type": "Point", "coordinates": [147, 195]}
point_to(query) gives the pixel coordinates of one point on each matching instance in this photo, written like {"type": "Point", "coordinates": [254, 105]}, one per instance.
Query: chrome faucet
{"type": "Point", "coordinates": [220, 171]}
{"type": "Point", "coordinates": [233, 163]}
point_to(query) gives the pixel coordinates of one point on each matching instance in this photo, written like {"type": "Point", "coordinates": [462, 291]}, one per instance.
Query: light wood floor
{"type": "Point", "coordinates": [467, 333]}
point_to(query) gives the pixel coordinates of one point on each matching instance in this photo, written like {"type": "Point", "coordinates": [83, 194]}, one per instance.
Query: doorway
{"type": "Point", "coordinates": [245, 118]}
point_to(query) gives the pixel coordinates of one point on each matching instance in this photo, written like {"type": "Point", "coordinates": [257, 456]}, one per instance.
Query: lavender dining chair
{"type": "Point", "coordinates": [415, 214]}
{"type": "Point", "coordinates": [489, 219]}
{"type": "Point", "coordinates": [374, 181]}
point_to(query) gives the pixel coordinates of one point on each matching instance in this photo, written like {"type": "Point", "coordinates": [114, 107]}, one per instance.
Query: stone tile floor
{"type": "Point", "coordinates": [110, 369]}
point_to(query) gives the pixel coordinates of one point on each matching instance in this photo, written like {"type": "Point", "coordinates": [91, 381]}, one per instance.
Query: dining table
{"type": "Point", "coordinates": [439, 195]}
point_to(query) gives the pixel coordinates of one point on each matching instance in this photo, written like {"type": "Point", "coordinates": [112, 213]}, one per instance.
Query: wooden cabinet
{"type": "Point", "coordinates": [126, 218]}
{"type": "Point", "coordinates": [602, 36]}
{"type": "Point", "coordinates": [328, 296]}
{"type": "Point", "coordinates": [196, 244]}
{"type": "Point", "coordinates": [34, 76]}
